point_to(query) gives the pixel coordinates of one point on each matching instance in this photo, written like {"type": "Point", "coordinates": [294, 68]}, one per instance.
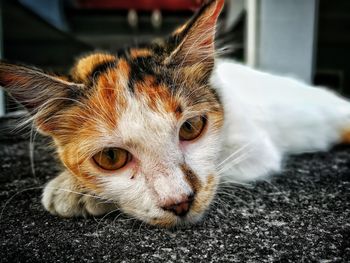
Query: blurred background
{"type": "Point", "coordinates": [307, 39]}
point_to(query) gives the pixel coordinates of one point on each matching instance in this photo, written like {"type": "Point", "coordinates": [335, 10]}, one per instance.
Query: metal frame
{"type": "Point", "coordinates": [281, 36]}
{"type": "Point", "coordinates": [2, 94]}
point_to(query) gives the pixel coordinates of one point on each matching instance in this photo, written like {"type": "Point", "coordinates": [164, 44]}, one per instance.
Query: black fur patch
{"type": "Point", "coordinates": [102, 68]}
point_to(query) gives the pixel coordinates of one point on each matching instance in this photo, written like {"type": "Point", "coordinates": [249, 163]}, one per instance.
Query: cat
{"type": "Point", "coordinates": [153, 129]}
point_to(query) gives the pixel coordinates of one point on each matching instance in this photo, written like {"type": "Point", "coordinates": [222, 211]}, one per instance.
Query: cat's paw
{"type": "Point", "coordinates": [62, 197]}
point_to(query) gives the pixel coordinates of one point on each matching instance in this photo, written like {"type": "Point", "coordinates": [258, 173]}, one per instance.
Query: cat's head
{"type": "Point", "coordinates": [141, 128]}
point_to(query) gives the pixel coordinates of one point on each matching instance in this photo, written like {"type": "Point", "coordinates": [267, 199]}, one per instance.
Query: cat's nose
{"type": "Point", "coordinates": [180, 208]}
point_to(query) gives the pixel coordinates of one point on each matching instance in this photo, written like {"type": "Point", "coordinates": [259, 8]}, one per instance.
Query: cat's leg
{"type": "Point", "coordinates": [64, 197]}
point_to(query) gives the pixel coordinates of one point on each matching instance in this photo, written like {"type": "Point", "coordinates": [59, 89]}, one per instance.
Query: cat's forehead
{"type": "Point", "coordinates": [136, 81]}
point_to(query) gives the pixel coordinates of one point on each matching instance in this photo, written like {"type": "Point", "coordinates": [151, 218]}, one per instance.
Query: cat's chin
{"type": "Point", "coordinates": [176, 221]}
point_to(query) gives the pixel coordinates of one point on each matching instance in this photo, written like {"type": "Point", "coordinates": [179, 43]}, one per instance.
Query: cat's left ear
{"type": "Point", "coordinates": [194, 41]}
{"type": "Point", "coordinates": [42, 94]}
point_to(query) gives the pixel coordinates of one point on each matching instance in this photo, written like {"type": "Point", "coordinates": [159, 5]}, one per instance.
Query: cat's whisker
{"type": "Point", "coordinates": [100, 221]}
{"type": "Point", "coordinates": [233, 163]}
{"type": "Point", "coordinates": [116, 217]}
{"type": "Point", "coordinates": [239, 150]}
{"type": "Point", "coordinates": [226, 199]}
{"type": "Point", "coordinates": [139, 230]}
{"type": "Point", "coordinates": [220, 205]}
{"type": "Point", "coordinates": [31, 149]}
{"type": "Point", "coordinates": [15, 195]}
{"type": "Point", "coordinates": [232, 184]}
{"type": "Point", "coordinates": [279, 192]}
{"type": "Point", "coordinates": [231, 192]}
{"type": "Point", "coordinates": [74, 192]}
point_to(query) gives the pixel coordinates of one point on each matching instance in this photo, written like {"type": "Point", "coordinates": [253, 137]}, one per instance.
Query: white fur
{"type": "Point", "coordinates": [273, 116]}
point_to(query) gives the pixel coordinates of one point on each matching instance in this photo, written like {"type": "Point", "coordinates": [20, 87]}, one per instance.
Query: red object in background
{"type": "Point", "coordinates": [144, 5]}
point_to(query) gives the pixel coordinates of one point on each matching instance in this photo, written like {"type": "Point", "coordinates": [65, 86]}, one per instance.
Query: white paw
{"type": "Point", "coordinates": [62, 197]}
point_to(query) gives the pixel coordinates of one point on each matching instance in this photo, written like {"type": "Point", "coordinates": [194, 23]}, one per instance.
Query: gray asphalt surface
{"type": "Point", "coordinates": [302, 214]}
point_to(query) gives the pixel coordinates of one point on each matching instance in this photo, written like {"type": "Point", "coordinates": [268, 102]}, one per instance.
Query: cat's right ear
{"type": "Point", "coordinates": [194, 41]}
{"type": "Point", "coordinates": [42, 94]}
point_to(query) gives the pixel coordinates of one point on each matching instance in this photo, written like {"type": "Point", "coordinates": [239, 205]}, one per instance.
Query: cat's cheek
{"type": "Point", "coordinates": [204, 198]}
{"type": "Point", "coordinates": [202, 156]}
{"type": "Point", "coordinates": [131, 195]}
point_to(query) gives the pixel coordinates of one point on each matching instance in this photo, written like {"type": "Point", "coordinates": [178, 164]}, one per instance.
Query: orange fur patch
{"type": "Point", "coordinates": [205, 195]}
{"type": "Point", "coordinates": [167, 221]}
{"type": "Point", "coordinates": [69, 160]}
{"type": "Point", "coordinates": [140, 52]}
{"type": "Point", "coordinates": [345, 138]}
{"type": "Point", "coordinates": [123, 68]}
{"type": "Point", "coordinates": [158, 97]}
{"type": "Point", "coordinates": [86, 65]}
{"type": "Point", "coordinates": [191, 178]}
{"type": "Point", "coordinates": [110, 95]}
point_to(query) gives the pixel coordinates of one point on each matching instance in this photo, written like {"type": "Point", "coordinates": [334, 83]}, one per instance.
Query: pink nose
{"type": "Point", "coordinates": [180, 208]}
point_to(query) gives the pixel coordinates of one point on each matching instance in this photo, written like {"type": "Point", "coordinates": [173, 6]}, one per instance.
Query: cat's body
{"type": "Point", "coordinates": [152, 130]}
{"type": "Point", "coordinates": [277, 116]}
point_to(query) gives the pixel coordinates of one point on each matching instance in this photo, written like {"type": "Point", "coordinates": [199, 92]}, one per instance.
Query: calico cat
{"type": "Point", "coordinates": [153, 129]}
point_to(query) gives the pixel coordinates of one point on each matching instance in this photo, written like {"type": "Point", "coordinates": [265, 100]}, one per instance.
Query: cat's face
{"type": "Point", "coordinates": [146, 140]}
{"type": "Point", "coordinates": [141, 128]}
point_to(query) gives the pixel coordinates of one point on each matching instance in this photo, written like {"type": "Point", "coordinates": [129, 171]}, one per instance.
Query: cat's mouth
{"type": "Point", "coordinates": [197, 207]}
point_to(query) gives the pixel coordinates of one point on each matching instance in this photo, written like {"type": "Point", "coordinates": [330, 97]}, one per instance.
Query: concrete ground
{"type": "Point", "coordinates": [302, 214]}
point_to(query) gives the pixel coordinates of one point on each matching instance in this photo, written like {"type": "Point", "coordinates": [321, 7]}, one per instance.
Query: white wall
{"type": "Point", "coordinates": [286, 37]}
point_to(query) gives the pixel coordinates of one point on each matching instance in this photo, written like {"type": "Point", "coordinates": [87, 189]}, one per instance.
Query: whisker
{"type": "Point", "coordinates": [233, 163]}
{"type": "Point", "coordinates": [235, 153]}
{"type": "Point", "coordinates": [99, 223]}
{"type": "Point", "coordinates": [16, 194]}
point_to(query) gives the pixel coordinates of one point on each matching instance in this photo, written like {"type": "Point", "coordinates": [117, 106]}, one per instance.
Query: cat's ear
{"type": "Point", "coordinates": [195, 40]}
{"type": "Point", "coordinates": [43, 95]}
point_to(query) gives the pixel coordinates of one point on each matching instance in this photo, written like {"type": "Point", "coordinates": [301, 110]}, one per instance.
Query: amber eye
{"type": "Point", "coordinates": [112, 158]}
{"type": "Point", "coordinates": [192, 128]}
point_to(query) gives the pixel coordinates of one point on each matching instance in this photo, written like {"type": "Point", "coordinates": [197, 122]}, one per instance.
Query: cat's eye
{"type": "Point", "coordinates": [192, 128]}
{"type": "Point", "coordinates": [112, 158]}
